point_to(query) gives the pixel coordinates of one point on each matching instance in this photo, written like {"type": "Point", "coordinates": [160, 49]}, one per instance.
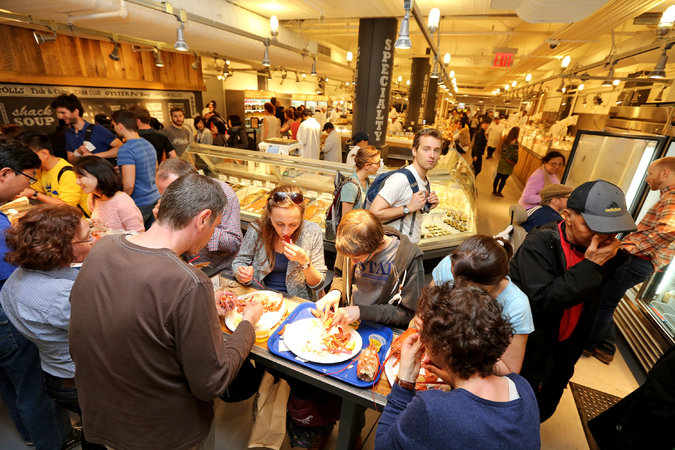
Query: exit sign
{"type": "Point", "coordinates": [503, 60]}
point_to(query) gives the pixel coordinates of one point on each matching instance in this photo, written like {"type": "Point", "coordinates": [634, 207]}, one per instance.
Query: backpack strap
{"type": "Point", "coordinates": [63, 170]}
{"type": "Point", "coordinates": [87, 131]}
{"type": "Point", "coordinates": [414, 185]}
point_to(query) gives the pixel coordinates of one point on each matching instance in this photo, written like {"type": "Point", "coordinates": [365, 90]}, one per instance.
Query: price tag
{"type": "Point", "coordinates": [269, 185]}
{"type": "Point", "coordinates": [326, 196]}
{"type": "Point", "coordinates": [257, 183]}
{"type": "Point", "coordinates": [245, 182]}
{"type": "Point", "coordinates": [233, 179]}
{"type": "Point", "coordinates": [312, 194]}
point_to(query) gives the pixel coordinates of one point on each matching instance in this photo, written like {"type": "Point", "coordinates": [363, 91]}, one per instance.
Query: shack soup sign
{"type": "Point", "coordinates": [29, 106]}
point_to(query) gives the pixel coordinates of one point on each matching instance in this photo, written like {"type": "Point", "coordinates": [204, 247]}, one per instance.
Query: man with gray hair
{"type": "Point", "coordinates": [224, 244]}
{"type": "Point", "coordinates": [144, 332]}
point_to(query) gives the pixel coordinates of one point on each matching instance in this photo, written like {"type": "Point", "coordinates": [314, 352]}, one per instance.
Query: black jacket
{"type": "Point", "coordinates": [408, 264]}
{"type": "Point", "coordinates": [539, 270]}
{"type": "Point", "coordinates": [479, 143]}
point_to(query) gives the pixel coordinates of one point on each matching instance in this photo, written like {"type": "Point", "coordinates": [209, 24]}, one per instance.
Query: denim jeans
{"type": "Point", "coordinates": [35, 415]}
{"type": "Point", "coordinates": [603, 334]}
{"type": "Point", "coordinates": [66, 397]}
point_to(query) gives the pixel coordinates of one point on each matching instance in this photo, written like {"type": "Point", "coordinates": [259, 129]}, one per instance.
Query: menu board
{"type": "Point", "coordinates": [29, 105]}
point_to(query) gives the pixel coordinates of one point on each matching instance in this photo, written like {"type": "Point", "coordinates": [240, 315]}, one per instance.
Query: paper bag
{"type": "Point", "coordinates": [269, 414]}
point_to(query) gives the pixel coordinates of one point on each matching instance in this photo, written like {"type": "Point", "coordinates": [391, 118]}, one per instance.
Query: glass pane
{"type": "Point", "coordinates": [653, 196]}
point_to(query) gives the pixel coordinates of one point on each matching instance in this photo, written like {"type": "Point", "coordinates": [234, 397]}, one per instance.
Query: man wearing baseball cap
{"type": "Point", "coordinates": [360, 140]}
{"type": "Point", "coordinates": [563, 267]}
{"type": "Point", "coordinates": [651, 248]}
{"type": "Point", "coordinates": [553, 202]}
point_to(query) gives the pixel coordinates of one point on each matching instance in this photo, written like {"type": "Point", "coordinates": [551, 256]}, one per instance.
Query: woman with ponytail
{"type": "Point", "coordinates": [483, 261]}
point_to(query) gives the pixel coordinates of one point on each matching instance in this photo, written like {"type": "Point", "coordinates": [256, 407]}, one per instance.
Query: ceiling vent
{"type": "Point", "coordinates": [323, 50]}
{"type": "Point", "coordinates": [557, 11]}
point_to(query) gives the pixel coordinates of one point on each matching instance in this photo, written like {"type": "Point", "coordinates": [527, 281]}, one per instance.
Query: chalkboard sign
{"type": "Point", "coordinates": [28, 105]}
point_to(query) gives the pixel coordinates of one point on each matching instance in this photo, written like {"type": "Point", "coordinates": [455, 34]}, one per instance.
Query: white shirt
{"type": "Point", "coordinates": [494, 134]}
{"type": "Point", "coordinates": [309, 135]}
{"type": "Point", "coordinates": [320, 117]}
{"type": "Point", "coordinates": [335, 116]}
{"type": "Point", "coordinates": [351, 156]}
{"type": "Point", "coordinates": [397, 192]}
{"type": "Point", "coordinates": [331, 147]}
{"type": "Point", "coordinates": [397, 126]}
{"type": "Point", "coordinates": [393, 113]}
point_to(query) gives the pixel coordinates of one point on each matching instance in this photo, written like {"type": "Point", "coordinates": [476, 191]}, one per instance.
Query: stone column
{"type": "Point", "coordinates": [419, 80]}
{"type": "Point", "coordinates": [430, 107]}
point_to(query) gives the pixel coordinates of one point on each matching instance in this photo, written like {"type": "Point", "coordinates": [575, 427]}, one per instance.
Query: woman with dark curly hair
{"type": "Point", "coordinates": [464, 334]}
{"type": "Point", "coordinates": [44, 243]}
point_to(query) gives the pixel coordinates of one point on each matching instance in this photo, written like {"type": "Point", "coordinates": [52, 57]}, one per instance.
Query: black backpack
{"type": "Point", "coordinates": [334, 211]}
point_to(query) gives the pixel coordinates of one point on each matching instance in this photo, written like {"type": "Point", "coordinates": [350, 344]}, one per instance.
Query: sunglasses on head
{"type": "Point", "coordinates": [295, 197]}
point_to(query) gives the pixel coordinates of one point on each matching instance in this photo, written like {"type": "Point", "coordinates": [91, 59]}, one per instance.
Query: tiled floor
{"type": "Point", "coordinates": [562, 431]}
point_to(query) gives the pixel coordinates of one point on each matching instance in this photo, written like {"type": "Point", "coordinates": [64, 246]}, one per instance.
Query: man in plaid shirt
{"type": "Point", "coordinates": [227, 237]}
{"type": "Point", "coordinates": [650, 248]}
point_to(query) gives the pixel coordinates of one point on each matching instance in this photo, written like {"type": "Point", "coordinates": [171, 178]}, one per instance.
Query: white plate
{"type": "Point", "coordinates": [391, 371]}
{"type": "Point", "coordinates": [268, 319]}
{"type": "Point", "coordinates": [305, 334]}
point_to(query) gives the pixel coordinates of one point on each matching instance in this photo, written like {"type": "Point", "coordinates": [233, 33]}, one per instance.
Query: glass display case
{"type": "Point", "coordinates": [253, 174]}
{"type": "Point", "coordinates": [621, 159]}
{"type": "Point", "coordinates": [540, 141]}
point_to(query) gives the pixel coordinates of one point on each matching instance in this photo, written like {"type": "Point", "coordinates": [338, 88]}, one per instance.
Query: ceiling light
{"type": "Point", "coordinates": [562, 85]}
{"type": "Point", "coordinates": [452, 74]}
{"type": "Point", "coordinates": [41, 38]}
{"type": "Point", "coordinates": [274, 26]}
{"type": "Point", "coordinates": [407, 83]}
{"type": "Point", "coordinates": [514, 83]}
{"type": "Point", "coordinates": [608, 81]}
{"type": "Point", "coordinates": [434, 73]}
{"type": "Point", "coordinates": [564, 89]}
{"type": "Point", "coordinates": [195, 64]}
{"type": "Point", "coordinates": [350, 56]}
{"type": "Point", "coordinates": [403, 41]}
{"type": "Point", "coordinates": [659, 69]}
{"type": "Point", "coordinates": [227, 61]}
{"type": "Point", "coordinates": [346, 83]}
{"type": "Point", "coordinates": [297, 78]}
{"type": "Point", "coordinates": [115, 53]}
{"type": "Point", "coordinates": [304, 75]}
{"type": "Point", "coordinates": [446, 58]}
{"type": "Point", "coordinates": [158, 57]}
{"type": "Point", "coordinates": [616, 82]}
{"type": "Point", "coordinates": [266, 54]}
{"type": "Point", "coordinates": [400, 78]}
{"type": "Point", "coordinates": [565, 62]}
{"type": "Point", "coordinates": [506, 87]}
{"type": "Point", "coordinates": [180, 44]}
{"type": "Point", "coordinates": [580, 87]}
{"type": "Point", "coordinates": [667, 19]}
{"type": "Point", "coordinates": [434, 18]}
{"type": "Point", "coordinates": [528, 77]}
{"type": "Point", "coordinates": [313, 67]}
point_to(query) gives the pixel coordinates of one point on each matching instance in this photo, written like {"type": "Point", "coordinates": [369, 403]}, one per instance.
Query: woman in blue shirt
{"type": "Point", "coordinates": [463, 333]}
{"type": "Point", "coordinates": [367, 163]}
{"type": "Point", "coordinates": [484, 262]}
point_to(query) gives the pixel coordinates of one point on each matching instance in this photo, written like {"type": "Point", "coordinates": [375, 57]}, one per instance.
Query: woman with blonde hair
{"type": "Point", "coordinates": [281, 251]}
{"type": "Point", "coordinates": [367, 162]}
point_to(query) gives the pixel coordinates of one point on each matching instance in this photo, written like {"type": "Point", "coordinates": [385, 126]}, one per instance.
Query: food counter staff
{"type": "Point", "coordinates": [282, 251]}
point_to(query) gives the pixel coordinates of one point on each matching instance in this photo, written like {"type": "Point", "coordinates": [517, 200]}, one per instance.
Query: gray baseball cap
{"type": "Point", "coordinates": [603, 207]}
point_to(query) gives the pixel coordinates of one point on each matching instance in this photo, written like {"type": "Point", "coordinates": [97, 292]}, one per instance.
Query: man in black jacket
{"type": "Point", "coordinates": [478, 148]}
{"type": "Point", "coordinates": [562, 268]}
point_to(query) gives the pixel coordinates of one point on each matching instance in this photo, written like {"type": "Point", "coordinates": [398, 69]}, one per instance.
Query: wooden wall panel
{"type": "Point", "coordinates": [79, 61]}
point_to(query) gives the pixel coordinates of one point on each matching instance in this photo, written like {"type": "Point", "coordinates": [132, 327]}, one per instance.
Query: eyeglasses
{"type": "Point", "coordinates": [295, 197]}
{"type": "Point", "coordinates": [32, 180]}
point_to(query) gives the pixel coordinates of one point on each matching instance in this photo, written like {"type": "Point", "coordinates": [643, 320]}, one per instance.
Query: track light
{"type": "Point", "coordinates": [297, 78]}
{"type": "Point", "coordinates": [180, 44]}
{"type": "Point", "coordinates": [403, 41]}
{"type": "Point", "coordinates": [608, 81]}
{"type": "Point", "coordinates": [434, 73]}
{"type": "Point", "coordinates": [667, 20]}
{"type": "Point", "coordinates": [452, 74]}
{"type": "Point", "coordinates": [528, 77]}
{"type": "Point", "coordinates": [313, 73]}
{"type": "Point", "coordinates": [41, 38]}
{"type": "Point", "coordinates": [659, 69]}
{"type": "Point", "coordinates": [115, 53]}
{"type": "Point", "coordinates": [561, 87]}
{"type": "Point", "coordinates": [434, 18]}
{"type": "Point", "coordinates": [506, 87]}
{"type": "Point", "coordinates": [266, 55]}
{"type": "Point", "coordinates": [269, 74]}
{"type": "Point", "coordinates": [616, 82]}
{"type": "Point", "coordinates": [407, 83]}
{"type": "Point", "coordinates": [400, 78]}
{"type": "Point", "coordinates": [446, 59]}
{"type": "Point", "coordinates": [195, 64]}
{"type": "Point", "coordinates": [350, 56]}
{"type": "Point", "coordinates": [580, 87]}
{"type": "Point", "coordinates": [565, 62]}
{"type": "Point", "coordinates": [514, 83]}
{"type": "Point", "coordinates": [274, 26]}
{"type": "Point", "coordinates": [158, 58]}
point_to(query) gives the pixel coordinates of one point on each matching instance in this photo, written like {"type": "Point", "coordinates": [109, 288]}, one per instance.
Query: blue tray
{"type": "Point", "coordinates": [302, 311]}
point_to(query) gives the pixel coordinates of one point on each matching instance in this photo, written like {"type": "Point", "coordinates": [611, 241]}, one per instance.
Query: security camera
{"type": "Point", "coordinates": [552, 45]}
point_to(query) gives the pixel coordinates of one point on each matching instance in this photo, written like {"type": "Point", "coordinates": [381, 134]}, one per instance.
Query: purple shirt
{"type": "Point", "coordinates": [535, 183]}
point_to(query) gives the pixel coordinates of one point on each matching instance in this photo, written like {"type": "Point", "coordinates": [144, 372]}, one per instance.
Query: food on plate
{"type": "Point", "coordinates": [398, 342]}
{"type": "Point", "coordinates": [226, 301]}
{"type": "Point", "coordinates": [425, 380]}
{"type": "Point", "coordinates": [270, 301]}
{"type": "Point", "coordinates": [369, 364]}
{"type": "Point", "coordinates": [334, 339]}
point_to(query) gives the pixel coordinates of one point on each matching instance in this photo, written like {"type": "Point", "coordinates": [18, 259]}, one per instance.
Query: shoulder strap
{"type": "Point", "coordinates": [63, 170]}
{"type": "Point", "coordinates": [87, 131]}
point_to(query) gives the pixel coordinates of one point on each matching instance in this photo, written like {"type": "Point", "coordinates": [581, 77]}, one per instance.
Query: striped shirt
{"type": "Point", "coordinates": [655, 235]}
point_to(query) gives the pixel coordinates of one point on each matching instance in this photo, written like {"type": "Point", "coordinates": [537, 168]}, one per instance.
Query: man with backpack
{"type": "Point", "coordinates": [399, 198]}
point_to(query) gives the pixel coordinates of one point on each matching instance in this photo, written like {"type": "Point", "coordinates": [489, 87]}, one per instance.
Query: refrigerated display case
{"type": "Point", "coordinates": [621, 159]}
{"type": "Point", "coordinates": [253, 174]}
{"type": "Point", "coordinates": [254, 102]}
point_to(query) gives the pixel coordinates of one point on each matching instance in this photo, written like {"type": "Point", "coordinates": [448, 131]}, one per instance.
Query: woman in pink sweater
{"type": "Point", "coordinates": [546, 174]}
{"type": "Point", "coordinates": [109, 204]}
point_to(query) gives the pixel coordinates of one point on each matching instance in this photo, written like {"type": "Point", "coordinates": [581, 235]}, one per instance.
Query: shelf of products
{"type": "Point", "coordinates": [253, 174]}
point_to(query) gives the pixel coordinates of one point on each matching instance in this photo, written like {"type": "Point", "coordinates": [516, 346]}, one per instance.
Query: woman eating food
{"type": "Point", "coordinates": [464, 334]}
{"type": "Point", "coordinates": [378, 273]}
{"type": "Point", "coordinates": [44, 243]}
{"type": "Point", "coordinates": [483, 261]}
{"type": "Point", "coordinates": [108, 203]}
{"type": "Point", "coordinates": [281, 251]}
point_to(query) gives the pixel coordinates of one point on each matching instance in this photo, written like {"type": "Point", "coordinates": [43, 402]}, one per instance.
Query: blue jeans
{"type": "Point", "coordinates": [35, 415]}
{"type": "Point", "coordinates": [603, 334]}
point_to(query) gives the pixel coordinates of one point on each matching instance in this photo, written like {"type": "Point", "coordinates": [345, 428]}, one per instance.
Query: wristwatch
{"type": "Point", "coordinates": [306, 266]}
{"type": "Point", "coordinates": [35, 193]}
{"type": "Point", "coordinates": [406, 210]}
{"type": "Point", "coordinates": [409, 385]}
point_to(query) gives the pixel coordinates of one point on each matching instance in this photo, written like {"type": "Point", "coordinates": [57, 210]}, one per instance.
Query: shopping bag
{"type": "Point", "coordinates": [269, 413]}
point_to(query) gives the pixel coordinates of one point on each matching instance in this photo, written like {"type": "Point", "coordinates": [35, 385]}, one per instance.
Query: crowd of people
{"type": "Point", "coordinates": [124, 332]}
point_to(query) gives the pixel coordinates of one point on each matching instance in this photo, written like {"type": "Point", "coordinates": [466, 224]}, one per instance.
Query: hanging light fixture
{"type": "Point", "coordinates": [269, 74]}
{"type": "Point", "coordinates": [528, 77]}
{"type": "Point", "coordinates": [452, 74]}
{"type": "Point", "coordinates": [565, 62]}
{"type": "Point", "coordinates": [506, 87]}
{"type": "Point", "coordinates": [266, 55]}
{"type": "Point", "coordinates": [616, 82]}
{"type": "Point", "coordinates": [446, 59]}
{"type": "Point", "coordinates": [41, 38]}
{"type": "Point", "coordinates": [297, 78]}
{"type": "Point", "coordinates": [158, 57]}
{"type": "Point", "coordinates": [350, 57]}
{"type": "Point", "coordinates": [434, 73]}
{"type": "Point", "coordinates": [514, 83]}
{"type": "Point", "coordinates": [400, 78]}
{"type": "Point", "coordinates": [434, 18]}
{"type": "Point", "coordinates": [180, 44]}
{"type": "Point", "coordinates": [115, 53]}
{"type": "Point", "coordinates": [274, 26]}
{"type": "Point", "coordinates": [580, 87]}
{"type": "Point", "coordinates": [659, 70]}
{"type": "Point", "coordinates": [195, 64]}
{"type": "Point", "coordinates": [561, 87]}
{"type": "Point", "coordinates": [667, 20]}
{"type": "Point", "coordinates": [608, 81]}
{"type": "Point", "coordinates": [407, 83]}
{"type": "Point", "coordinates": [403, 41]}
{"type": "Point", "coordinates": [313, 68]}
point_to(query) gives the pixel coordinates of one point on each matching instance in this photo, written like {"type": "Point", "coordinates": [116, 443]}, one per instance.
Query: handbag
{"type": "Point", "coordinates": [269, 413]}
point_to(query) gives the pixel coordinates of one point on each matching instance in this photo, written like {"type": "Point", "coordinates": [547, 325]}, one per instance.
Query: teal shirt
{"type": "Point", "coordinates": [349, 191]}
